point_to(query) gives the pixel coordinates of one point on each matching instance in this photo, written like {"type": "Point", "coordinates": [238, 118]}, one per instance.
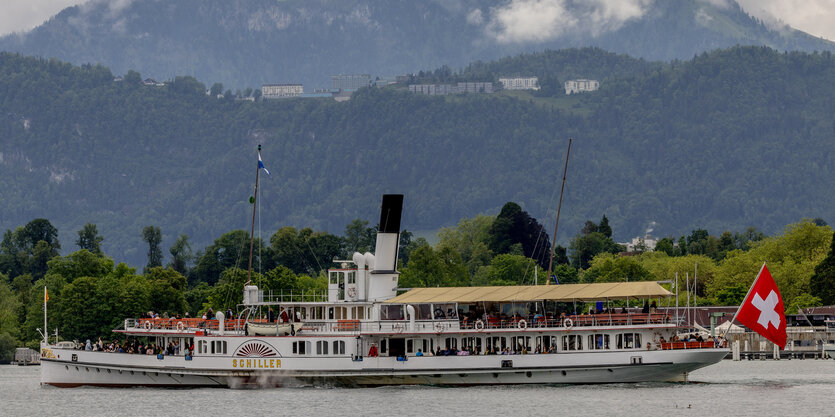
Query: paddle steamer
{"type": "Point", "coordinates": [361, 333]}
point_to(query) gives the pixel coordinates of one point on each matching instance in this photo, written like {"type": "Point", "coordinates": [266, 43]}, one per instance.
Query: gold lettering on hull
{"type": "Point", "coordinates": [256, 363]}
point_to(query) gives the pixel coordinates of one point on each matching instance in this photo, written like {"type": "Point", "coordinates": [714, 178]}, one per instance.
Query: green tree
{"type": "Point", "coordinates": [507, 269]}
{"type": "Point", "coordinates": [181, 255]}
{"type": "Point", "coordinates": [604, 227]}
{"type": "Point", "coordinates": [88, 238]}
{"type": "Point", "coordinates": [515, 226]}
{"type": "Point", "coordinates": [359, 237]}
{"type": "Point", "coordinates": [229, 250]}
{"type": "Point", "coordinates": [153, 237]}
{"type": "Point", "coordinates": [822, 283]}
{"type": "Point", "coordinates": [216, 90]}
{"type": "Point", "coordinates": [167, 290]}
{"type": "Point", "coordinates": [7, 347]}
{"type": "Point", "coordinates": [78, 264]}
{"type": "Point", "coordinates": [606, 267]}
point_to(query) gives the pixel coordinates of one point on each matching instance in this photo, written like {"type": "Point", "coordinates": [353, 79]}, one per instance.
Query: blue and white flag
{"type": "Point", "coordinates": [261, 165]}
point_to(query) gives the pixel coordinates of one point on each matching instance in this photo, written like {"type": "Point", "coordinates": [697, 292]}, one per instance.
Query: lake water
{"type": "Point", "coordinates": [746, 388]}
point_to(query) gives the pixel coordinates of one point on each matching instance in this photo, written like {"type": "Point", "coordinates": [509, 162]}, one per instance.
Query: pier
{"type": "Point", "coordinates": [804, 342]}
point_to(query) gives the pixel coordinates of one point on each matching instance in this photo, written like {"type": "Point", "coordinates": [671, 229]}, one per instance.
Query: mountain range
{"type": "Point", "coordinates": [245, 43]}
{"type": "Point", "coordinates": [728, 139]}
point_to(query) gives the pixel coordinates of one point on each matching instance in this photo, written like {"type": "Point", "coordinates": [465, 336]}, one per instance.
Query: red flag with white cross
{"type": "Point", "coordinates": [762, 310]}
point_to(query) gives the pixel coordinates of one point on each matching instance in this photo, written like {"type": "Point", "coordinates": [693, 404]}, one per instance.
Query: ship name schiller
{"type": "Point", "coordinates": [256, 363]}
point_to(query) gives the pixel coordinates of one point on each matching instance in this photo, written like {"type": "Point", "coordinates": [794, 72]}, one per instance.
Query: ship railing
{"type": "Point", "coordinates": [584, 320]}
{"type": "Point", "coordinates": [291, 296]}
{"type": "Point", "coordinates": [382, 326]}
{"type": "Point", "coordinates": [182, 324]}
{"type": "Point", "coordinates": [709, 344]}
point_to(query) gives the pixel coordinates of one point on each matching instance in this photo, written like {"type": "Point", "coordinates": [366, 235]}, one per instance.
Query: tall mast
{"type": "Point", "coordinates": [254, 205]}
{"type": "Point", "coordinates": [557, 224]}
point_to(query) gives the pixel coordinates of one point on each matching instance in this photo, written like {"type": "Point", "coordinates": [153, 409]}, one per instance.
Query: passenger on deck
{"type": "Point", "coordinates": [438, 351]}
{"type": "Point", "coordinates": [270, 315]}
{"type": "Point", "coordinates": [372, 352]}
{"type": "Point", "coordinates": [283, 315]}
{"type": "Point", "coordinates": [653, 308]}
{"type": "Point", "coordinates": [645, 310]}
{"type": "Point", "coordinates": [419, 353]}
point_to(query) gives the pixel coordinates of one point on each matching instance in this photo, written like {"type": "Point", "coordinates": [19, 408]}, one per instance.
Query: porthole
{"type": "Point", "coordinates": [610, 370]}
{"type": "Point", "coordinates": [495, 375]}
{"type": "Point", "coordinates": [564, 373]}
{"type": "Point", "coordinates": [131, 372]}
{"type": "Point", "coordinates": [528, 374]}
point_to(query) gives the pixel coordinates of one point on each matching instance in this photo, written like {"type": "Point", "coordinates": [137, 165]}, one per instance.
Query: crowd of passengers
{"type": "Point", "coordinates": [135, 346]}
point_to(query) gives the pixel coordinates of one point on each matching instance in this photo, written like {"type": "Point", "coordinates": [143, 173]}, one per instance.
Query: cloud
{"type": "Point", "coordinates": [23, 15]}
{"type": "Point", "coordinates": [815, 17]}
{"type": "Point", "coordinates": [541, 20]}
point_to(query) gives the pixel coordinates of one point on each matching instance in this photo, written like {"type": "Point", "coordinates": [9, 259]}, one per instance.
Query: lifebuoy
{"type": "Point", "coordinates": [522, 324]}
{"type": "Point", "coordinates": [147, 325]}
{"type": "Point", "coordinates": [181, 326]}
{"type": "Point", "coordinates": [568, 323]}
{"type": "Point", "coordinates": [479, 325]}
{"type": "Point", "coordinates": [398, 328]}
{"type": "Point", "coordinates": [439, 327]}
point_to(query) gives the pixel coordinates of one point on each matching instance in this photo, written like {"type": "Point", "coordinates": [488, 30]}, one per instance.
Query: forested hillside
{"type": "Point", "coordinates": [733, 138]}
{"type": "Point", "coordinates": [251, 42]}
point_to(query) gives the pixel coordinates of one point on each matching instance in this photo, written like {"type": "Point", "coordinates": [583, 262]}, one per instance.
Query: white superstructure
{"type": "Point", "coordinates": [362, 333]}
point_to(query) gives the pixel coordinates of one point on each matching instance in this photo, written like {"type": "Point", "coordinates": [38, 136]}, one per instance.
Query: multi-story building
{"type": "Point", "coordinates": [444, 89]}
{"type": "Point", "coordinates": [269, 91]}
{"type": "Point", "coordinates": [520, 83]}
{"type": "Point", "coordinates": [350, 81]}
{"type": "Point", "coordinates": [581, 85]}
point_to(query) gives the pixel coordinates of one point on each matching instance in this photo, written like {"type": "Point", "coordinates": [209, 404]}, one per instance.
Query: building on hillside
{"type": "Point", "coordinates": [445, 89]}
{"type": "Point", "coordinates": [269, 91]}
{"type": "Point", "coordinates": [350, 82]}
{"type": "Point", "coordinates": [641, 244]}
{"type": "Point", "coordinates": [580, 86]}
{"type": "Point", "coordinates": [520, 83]}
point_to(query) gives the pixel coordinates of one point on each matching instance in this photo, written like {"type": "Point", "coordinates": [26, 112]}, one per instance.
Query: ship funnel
{"type": "Point", "coordinates": [388, 235]}
{"type": "Point", "coordinates": [382, 282]}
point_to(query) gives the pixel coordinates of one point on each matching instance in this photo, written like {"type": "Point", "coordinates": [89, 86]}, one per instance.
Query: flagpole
{"type": "Point", "coordinates": [45, 329]}
{"type": "Point", "coordinates": [743, 301]}
{"type": "Point", "coordinates": [254, 204]}
{"type": "Point", "coordinates": [557, 224]}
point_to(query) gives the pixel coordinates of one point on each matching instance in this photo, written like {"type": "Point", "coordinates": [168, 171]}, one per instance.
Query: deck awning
{"type": "Point", "coordinates": [521, 293]}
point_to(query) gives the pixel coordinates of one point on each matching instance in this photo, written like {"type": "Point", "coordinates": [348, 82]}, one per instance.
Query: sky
{"type": "Point", "coordinates": [812, 16]}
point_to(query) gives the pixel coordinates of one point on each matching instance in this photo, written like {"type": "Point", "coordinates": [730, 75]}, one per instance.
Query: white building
{"type": "Point", "coordinates": [579, 86]}
{"type": "Point", "coordinates": [520, 83]}
{"type": "Point", "coordinates": [281, 90]}
{"type": "Point", "coordinates": [645, 244]}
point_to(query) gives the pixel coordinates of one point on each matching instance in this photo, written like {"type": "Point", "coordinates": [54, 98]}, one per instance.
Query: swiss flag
{"type": "Point", "coordinates": [762, 310]}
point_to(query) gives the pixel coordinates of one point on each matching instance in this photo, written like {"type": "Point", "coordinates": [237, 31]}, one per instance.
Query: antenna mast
{"type": "Point", "coordinates": [559, 207]}
{"type": "Point", "coordinates": [254, 205]}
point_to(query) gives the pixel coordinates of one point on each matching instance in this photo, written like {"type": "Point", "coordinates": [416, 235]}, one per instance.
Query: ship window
{"type": "Point", "coordinates": [496, 344]}
{"type": "Point", "coordinates": [392, 312]}
{"type": "Point", "coordinates": [338, 347]}
{"type": "Point", "coordinates": [410, 346]}
{"type": "Point", "coordinates": [444, 311]}
{"type": "Point", "coordinates": [572, 342]}
{"type": "Point", "coordinates": [450, 343]}
{"type": "Point", "coordinates": [334, 277]}
{"type": "Point", "coordinates": [383, 345]}
{"type": "Point", "coordinates": [599, 341]}
{"type": "Point", "coordinates": [352, 277]}
{"type": "Point", "coordinates": [520, 343]}
{"type": "Point", "coordinates": [299, 347]}
{"type": "Point", "coordinates": [425, 345]}
{"type": "Point", "coordinates": [629, 341]}
{"type": "Point", "coordinates": [424, 312]}
{"type": "Point", "coordinates": [322, 347]}
{"type": "Point", "coordinates": [330, 313]}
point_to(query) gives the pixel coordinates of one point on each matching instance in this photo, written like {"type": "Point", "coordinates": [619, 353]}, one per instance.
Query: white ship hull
{"type": "Point", "coordinates": [121, 370]}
